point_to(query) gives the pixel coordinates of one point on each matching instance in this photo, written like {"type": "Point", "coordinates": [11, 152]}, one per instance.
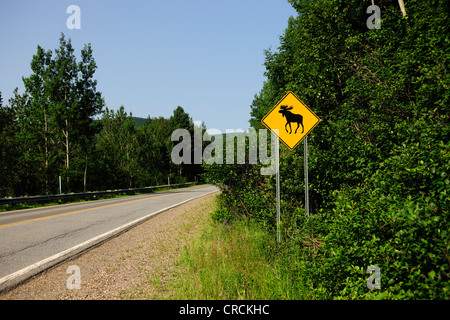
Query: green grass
{"type": "Point", "coordinates": [236, 262]}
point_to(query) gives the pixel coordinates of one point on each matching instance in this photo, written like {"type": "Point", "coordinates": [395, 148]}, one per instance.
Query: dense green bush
{"type": "Point", "coordinates": [379, 161]}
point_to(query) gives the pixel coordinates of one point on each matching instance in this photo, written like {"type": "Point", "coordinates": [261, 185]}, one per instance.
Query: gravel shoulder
{"type": "Point", "coordinates": [133, 265]}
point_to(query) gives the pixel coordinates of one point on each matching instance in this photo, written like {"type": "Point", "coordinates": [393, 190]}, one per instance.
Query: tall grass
{"type": "Point", "coordinates": [236, 261]}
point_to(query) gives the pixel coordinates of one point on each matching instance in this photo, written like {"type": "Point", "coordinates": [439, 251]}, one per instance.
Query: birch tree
{"type": "Point", "coordinates": [37, 123]}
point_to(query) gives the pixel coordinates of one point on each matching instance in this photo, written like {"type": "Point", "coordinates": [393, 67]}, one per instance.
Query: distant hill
{"type": "Point", "coordinates": [138, 121]}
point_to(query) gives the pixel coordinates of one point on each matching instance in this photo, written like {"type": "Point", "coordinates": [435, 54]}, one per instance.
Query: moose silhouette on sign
{"type": "Point", "coordinates": [291, 117]}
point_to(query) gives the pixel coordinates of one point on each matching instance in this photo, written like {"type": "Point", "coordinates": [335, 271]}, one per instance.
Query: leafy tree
{"type": "Point", "coordinates": [154, 152]}
{"type": "Point", "coordinates": [181, 120]}
{"type": "Point", "coordinates": [36, 120]}
{"type": "Point", "coordinates": [8, 150]}
{"type": "Point", "coordinates": [116, 151]}
{"type": "Point", "coordinates": [31, 175]}
{"type": "Point", "coordinates": [59, 120]}
{"type": "Point", "coordinates": [91, 104]}
{"type": "Point", "coordinates": [63, 98]}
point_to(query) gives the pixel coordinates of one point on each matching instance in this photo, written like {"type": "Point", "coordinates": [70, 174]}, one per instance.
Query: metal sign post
{"type": "Point", "coordinates": [305, 144]}
{"type": "Point", "coordinates": [277, 163]}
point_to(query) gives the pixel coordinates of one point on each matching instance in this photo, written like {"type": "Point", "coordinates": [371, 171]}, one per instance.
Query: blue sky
{"type": "Point", "coordinates": [152, 56]}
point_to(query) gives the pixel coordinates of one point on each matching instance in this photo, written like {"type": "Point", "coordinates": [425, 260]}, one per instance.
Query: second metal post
{"type": "Point", "coordinates": [305, 143]}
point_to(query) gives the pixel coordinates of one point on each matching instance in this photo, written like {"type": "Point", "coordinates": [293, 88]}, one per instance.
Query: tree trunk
{"type": "Point", "coordinates": [66, 134]}
{"type": "Point", "coordinates": [85, 173]}
{"type": "Point", "coordinates": [46, 151]}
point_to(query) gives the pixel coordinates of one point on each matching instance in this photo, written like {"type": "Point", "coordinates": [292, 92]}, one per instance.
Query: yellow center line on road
{"type": "Point", "coordinates": [83, 210]}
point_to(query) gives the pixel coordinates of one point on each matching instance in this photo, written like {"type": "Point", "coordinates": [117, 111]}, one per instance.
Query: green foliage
{"type": "Point", "coordinates": [8, 150]}
{"type": "Point", "coordinates": [53, 130]}
{"type": "Point", "coordinates": [54, 120]}
{"type": "Point", "coordinates": [378, 161]}
{"type": "Point", "coordinates": [237, 261]}
{"type": "Point", "coordinates": [117, 138]}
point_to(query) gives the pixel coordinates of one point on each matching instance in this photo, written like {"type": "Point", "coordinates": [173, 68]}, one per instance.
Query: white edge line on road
{"type": "Point", "coordinates": [19, 276]}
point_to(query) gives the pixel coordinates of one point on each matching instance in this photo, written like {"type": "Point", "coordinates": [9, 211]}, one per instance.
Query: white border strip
{"type": "Point", "coordinates": [17, 277]}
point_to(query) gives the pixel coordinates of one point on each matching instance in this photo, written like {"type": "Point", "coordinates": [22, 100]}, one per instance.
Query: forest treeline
{"type": "Point", "coordinates": [379, 161]}
{"type": "Point", "coordinates": [60, 126]}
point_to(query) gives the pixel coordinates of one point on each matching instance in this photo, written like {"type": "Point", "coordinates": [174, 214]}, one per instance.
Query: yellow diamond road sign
{"type": "Point", "coordinates": [293, 119]}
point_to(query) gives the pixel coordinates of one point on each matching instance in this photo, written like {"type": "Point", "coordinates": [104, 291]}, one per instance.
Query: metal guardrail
{"type": "Point", "coordinates": [53, 197]}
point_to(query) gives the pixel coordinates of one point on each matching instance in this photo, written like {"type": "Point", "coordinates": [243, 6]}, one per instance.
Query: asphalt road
{"type": "Point", "coordinates": [34, 239]}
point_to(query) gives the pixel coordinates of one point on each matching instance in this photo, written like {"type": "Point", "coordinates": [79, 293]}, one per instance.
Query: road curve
{"type": "Point", "coordinates": [36, 239]}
